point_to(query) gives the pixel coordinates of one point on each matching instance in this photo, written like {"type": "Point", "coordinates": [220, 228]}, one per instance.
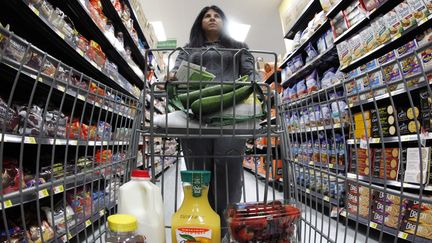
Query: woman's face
{"type": "Point", "coordinates": [212, 22]}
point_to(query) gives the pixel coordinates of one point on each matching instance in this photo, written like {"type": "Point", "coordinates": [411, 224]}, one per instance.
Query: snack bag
{"type": "Point", "coordinates": [292, 92]}
{"type": "Point", "coordinates": [301, 89]}
{"type": "Point", "coordinates": [311, 52]}
{"type": "Point", "coordinates": [344, 53]}
{"type": "Point", "coordinates": [312, 82]}
{"type": "Point", "coordinates": [393, 24]}
{"type": "Point", "coordinates": [406, 15]}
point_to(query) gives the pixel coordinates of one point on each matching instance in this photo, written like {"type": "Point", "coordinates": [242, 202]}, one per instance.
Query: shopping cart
{"type": "Point", "coordinates": [255, 148]}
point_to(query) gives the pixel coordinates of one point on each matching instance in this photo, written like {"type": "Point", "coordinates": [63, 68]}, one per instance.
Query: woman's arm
{"type": "Point", "coordinates": [247, 64]}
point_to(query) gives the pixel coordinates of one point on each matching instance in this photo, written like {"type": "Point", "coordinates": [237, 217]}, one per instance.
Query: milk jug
{"type": "Point", "coordinates": [141, 198]}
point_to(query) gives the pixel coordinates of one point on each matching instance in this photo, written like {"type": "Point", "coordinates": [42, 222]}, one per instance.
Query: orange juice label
{"type": "Point", "coordinates": [193, 234]}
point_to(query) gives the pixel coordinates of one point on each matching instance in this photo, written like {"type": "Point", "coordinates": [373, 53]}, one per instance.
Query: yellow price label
{"type": "Point", "coordinates": [373, 225]}
{"type": "Point", "coordinates": [34, 10]}
{"type": "Point", "coordinates": [87, 223]}
{"type": "Point", "coordinates": [326, 198]}
{"type": "Point", "coordinates": [80, 52]}
{"type": "Point", "coordinates": [7, 204]}
{"type": "Point", "coordinates": [403, 235]}
{"type": "Point", "coordinates": [31, 140]}
{"type": "Point", "coordinates": [43, 193]}
{"type": "Point", "coordinates": [307, 191]}
{"type": "Point", "coordinates": [58, 189]}
{"type": "Point", "coordinates": [69, 236]}
{"type": "Point", "coordinates": [331, 166]}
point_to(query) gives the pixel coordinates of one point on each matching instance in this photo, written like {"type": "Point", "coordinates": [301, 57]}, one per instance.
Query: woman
{"type": "Point", "coordinates": [222, 156]}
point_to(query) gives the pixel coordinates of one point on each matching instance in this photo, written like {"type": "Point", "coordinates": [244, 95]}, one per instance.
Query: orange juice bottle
{"type": "Point", "coordinates": [195, 221]}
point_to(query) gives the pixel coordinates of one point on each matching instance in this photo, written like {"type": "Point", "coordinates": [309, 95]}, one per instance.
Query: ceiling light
{"type": "Point", "coordinates": [159, 30]}
{"type": "Point", "coordinates": [237, 30]}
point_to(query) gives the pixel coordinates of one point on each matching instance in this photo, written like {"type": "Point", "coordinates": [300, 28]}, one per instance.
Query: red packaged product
{"type": "Point", "coordinates": [103, 156]}
{"type": "Point", "coordinates": [83, 43]}
{"type": "Point", "coordinates": [11, 177]}
{"type": "Point", "coordinates": [96, 54]}
{"type": "Point", "coordinates": [75, 130]}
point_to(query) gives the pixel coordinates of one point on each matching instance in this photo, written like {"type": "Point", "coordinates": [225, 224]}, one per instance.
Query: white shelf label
{"type": "Point", "coordinates": [307, 191]}
{"type": "Point", "coordinates": [343, 213]}
{"type": "Point", "coordinates": [102, 212]}
{"type": "Point", "coordinates": [326, 198]}
{"type": "Point", "coordinates": [58, 189]}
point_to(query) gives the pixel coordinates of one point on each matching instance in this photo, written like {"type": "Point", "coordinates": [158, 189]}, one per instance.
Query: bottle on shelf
{"type": "Point", "coordinates": [121, 229]}
{"type": "Point", "coordinates": [143, 199]}
{"type": "Point", "coordinates": [195, 221]}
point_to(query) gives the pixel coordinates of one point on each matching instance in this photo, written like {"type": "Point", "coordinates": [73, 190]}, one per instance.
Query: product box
{"type": "Point", "coordinates": [406, 15]}
{"type": "Point", "coordinates": [406, 48]}
{"type": "Point", "coordinates": [393, 23]}
{"type": "Point", "coordinates": [363, 210]}
{"type": "Point", "coordinates": [391, 73]}
{"type": "Point", "coordinates": [412, 172]}
{"type": "Point", "coordinates": [388, 57]}
{"type": "Point", "coordinates": [423, 230]}
{"type": "Point", "coordinates": [425, 57]}
{"type": "Point", "coordinates": [391, 209]}
{"type": "Point", "coordinates": [424, 215]}
{"type": "Point", "coordinates": [386, 219]}
{"type": "Point", "coordinates": [410, 65]}
{"type": "Point", "coordinates": [418, 9]}
{"type": "Point", "coordinates": [344, 53]}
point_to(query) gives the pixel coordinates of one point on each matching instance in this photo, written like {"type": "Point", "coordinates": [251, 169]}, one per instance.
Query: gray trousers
{"type": "Point", "coordinates": [224, 158]}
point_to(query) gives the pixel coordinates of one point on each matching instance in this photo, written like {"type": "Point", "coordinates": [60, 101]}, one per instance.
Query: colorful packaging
{"type": "Point", "coordinates": [344, 53]}
{"type": "Point", "coordinates": [321, 45]}
{"type": "Point", "coordinates": [393, 24]}
{"type": "Point", "coordinates": [391, 73]}
{"type": "Point", "coordinates": [368, 39]}
{"type": "Point", "coordinates": [311, 52]}
{"type": "Point", "coordinates": [381, 32]}
{"type": "Point", "coordinates": [301, 89]}
{"type": "Point", "coordinates": [292, 92]}
{"type": "Point", "coordinates": [298, 62]}
{"type": "Point", "coordinates": [410, 65]}
{"type": "Point", "coordinates": [357, 48]}
{"type": "Point", "coordinates": [419, 9]}
{"type": "Point", "coordinates": [312, 82]}
{"type": "Point", "coordinates": [406, 15]}
{"type": "Point", "coordinates": [406, 48]}
{"type": "Point", "coordinates": [425, 38]}
{"type": "Point", "coordinates": [425, 58]}
{"type": "Point", "coordinates": [369, 5]}
{"type": "Point", "coordinates": [423, 230]}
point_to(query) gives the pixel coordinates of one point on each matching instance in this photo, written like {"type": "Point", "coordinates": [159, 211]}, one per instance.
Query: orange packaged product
{"type": "Point", "coordinates": [95, 53]}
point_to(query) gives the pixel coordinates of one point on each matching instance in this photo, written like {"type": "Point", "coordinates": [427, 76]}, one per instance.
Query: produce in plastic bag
{"type": "Point", "coordinates": [311, 52]}
{"type": "Point", "coordinates": [312, 82]}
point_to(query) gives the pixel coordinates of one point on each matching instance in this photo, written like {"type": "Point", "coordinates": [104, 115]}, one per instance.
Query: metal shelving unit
{"type": "Point", "coordinates": [309, 11]}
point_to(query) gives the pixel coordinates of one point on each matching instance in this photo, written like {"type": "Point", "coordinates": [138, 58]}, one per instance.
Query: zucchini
{"type": "Point", "coordinates": [206, 92]}
{"type": "Point", "coordinates": [212, 104]}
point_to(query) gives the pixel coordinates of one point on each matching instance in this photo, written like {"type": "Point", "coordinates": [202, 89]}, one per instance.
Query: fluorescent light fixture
{"type": "Point", "coordinates": [159, 30]}
{"type": "Point", "coordinates": [237, 30]}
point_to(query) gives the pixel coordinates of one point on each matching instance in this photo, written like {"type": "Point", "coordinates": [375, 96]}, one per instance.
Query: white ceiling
{"type": "Point", "coordinates": [263, 16]}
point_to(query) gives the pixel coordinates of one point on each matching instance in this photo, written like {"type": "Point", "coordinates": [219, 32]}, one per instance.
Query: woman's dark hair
{"type": "Point", "coordinates": [197, 36]}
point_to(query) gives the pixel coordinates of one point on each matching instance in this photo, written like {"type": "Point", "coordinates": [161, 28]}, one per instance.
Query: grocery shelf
{"type": "Point", "coordinates": [10, 138]}
{"type": "Point", "coordinates": [64, 47]}
{"type": "Point", "coordinates": [57, 84]}
{"type": "Point", "coordinates": [393, 183]}
{"type": "Point", "coordinates": [317, 165]}
{"type": "Point", "coordinates": [327, 55]}
{"type": "Point", "coordinates": [30, 194]}
{"type": "Point", "coordinates": [308, 13]}
{"type": "Point", "coordinates": [117, 21]}
{"type": "Point", "coordinates": [318, 32]}
{"type": "Point", "coordinates": [81, 226]}
{"type": "Point", "coordinates": [391, 94]}
{"type": "Point", "coordinates": [316, 195]}
{"type": "Point", "coordinates": [394, 139]}
{"type": "Point", "coordinates": [383, 228]}
{"type": "Point", "coordinates": [317, 128]}
{"type": "Point", "coordinates": [82, 14]}
{"type": "Point", "coordinates": [383, 8]}
{"type": "Point", "coordinates": [392, 44]}
{"type": "Point", "coordinates": [289, 104]}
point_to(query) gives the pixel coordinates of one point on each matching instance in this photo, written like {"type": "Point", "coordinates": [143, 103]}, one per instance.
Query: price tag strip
{"type": "Point", "coordinates": [43, 193]}
{"type": "Point", "coordinates": [7, 204]}
{"type": "Point", "coordinates": [58, 189]}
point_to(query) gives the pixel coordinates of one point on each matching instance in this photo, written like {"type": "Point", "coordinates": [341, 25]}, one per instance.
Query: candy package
{"type": "Point", "coordinates": [312, 82]}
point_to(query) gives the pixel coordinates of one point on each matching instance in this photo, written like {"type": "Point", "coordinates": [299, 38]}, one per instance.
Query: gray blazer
{"type": "Point", "coordinates": [220, 64]}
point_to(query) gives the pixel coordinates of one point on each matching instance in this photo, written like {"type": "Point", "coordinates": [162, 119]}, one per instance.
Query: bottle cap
{"type": "Point", "coordinates": [188, 175]}
{"type": "Point", "coordinates": [140, 173]}
{"type": "Point", "coordinates": [122, 223]}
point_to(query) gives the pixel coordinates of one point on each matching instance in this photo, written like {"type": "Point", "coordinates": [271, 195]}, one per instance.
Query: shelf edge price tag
{"type": "Point", "coordinates": [403, 235]}
{"type": "Point", "coordinates": [7, 204]}
{"type": "Point", "coordinates": [326, 198]}
{"type": "Point", "coordinates": [373, 225]}
{"type": "Point", "coordinates": [31, 140]}
{"type": "Point", "coordinates": [311, 163]}
{"type": "Point", "coordinates": [102, 212]}
{"type": "Point", "coordinates": [87, 223]}
{"type": "Point", "coordinates": [58, 189]}
{"type": "Point", "coordinates": [43, 193]}
{"type": "Point", "coordinates": [69, 236]}
{"type": "Point", "coordinates": [307, 190]}
{"type": "Point", "coordinates": [331, 166]}
{"type": "Point", "coordinates": [343, 213]}
{"type": "Point", "coordinates": [34, 10]}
